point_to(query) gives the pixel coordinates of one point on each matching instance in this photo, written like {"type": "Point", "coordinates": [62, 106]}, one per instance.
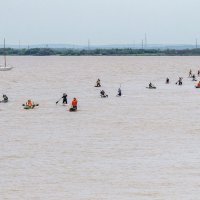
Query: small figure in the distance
{"type": "Point", "coordinates": [194, 77]}
{"type": "Point", "coordinates": [151, 85]}
{"type": "Point", "coordinates": [180, 81]}
{"type": "Point", "coordinates": [198, 85]}
{"type": "Point", "coordinates": [198, 72]}
{"type": "Point", "coordinates": [98, 83]}
{"type": "Point", "coordinates": [190, 73]}
{"type": "Point", "coordinates": [74, 105]}
{"type": "Point", "coordinates": [64, 97]}
{"type": "Point", "coordinates": [103, 94]}
{"type": "Point", "coordinates": [30, 105]}
{"type": "Point", "coordinates": [167, 81]}
{"type": "Point", "coordinates": [119, 92]}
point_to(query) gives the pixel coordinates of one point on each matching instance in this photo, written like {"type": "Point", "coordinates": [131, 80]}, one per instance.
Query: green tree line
{"type": "Point", "coordinates": [99, 52]}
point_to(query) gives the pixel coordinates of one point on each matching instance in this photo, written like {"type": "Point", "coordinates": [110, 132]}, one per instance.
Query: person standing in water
{"type": "Point", "coordinates": [98, 83]}
{"type": "Point", "coordinates": [190, 73]}
{"type": "Point", "coordinates": [198, 85]}
{"type": "Point", "coordinates": [198, 72]}
{"type": "Point", "coordinates": [64, 97]}
{"type": "Point", "coordinates": [180, 81]}
{"type": "Point", "coordinates": [119, 92]}
{"type": "Point", "coordinates": [167, 80]}
{"type": "Point", "coordinates": [74, 104]}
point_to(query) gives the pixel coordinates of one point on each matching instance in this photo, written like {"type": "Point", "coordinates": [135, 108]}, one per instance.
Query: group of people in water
{"type": "Point", "coordinates": [30, 104]}
{"type": "Point", "coordinates": [102, 92]}
{"type": "Point", "coordinates": [180, 80]}
{"type": "Point", "coordinates": [74, 104]}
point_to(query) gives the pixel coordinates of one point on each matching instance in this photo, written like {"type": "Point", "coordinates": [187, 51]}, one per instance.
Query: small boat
{"type": "Point", "coordinates": [104, 96]}
{"type": "Point", "coordinates": [5, 67]}
{"type": "Point", "coordinates": [2, 68]}
{"type": "Point", "coordinates": [73, 109]}
{"type": "Point", "coordinates": [151, 87]}
{"type": "Point", "coordinates": [26, 107]}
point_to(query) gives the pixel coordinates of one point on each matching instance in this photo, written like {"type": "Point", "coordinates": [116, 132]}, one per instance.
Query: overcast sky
{"type": "Point", "coordinates": [102, 21]}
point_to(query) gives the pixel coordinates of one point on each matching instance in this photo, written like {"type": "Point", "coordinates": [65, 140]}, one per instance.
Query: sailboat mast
{"type": "Point", "coordinates": [5, 52]}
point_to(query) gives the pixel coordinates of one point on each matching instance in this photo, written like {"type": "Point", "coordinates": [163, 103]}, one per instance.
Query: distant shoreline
{"type": "Point", "coordinates": [99, 52]}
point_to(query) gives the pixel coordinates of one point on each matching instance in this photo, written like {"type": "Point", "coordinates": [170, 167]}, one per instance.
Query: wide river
{"type": "Point", "coordinates": [142, 146]}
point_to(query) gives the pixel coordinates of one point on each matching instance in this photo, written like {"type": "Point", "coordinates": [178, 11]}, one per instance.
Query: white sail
{"type": "Point", "coordinates": [5, 67]}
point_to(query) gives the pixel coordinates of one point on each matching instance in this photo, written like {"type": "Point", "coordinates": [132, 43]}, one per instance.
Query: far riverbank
{"type": "Point", "coordinates": [99, 52]}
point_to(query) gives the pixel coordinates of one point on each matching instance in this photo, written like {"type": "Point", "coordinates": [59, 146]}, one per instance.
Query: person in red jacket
{"type": "Point", "coordinates": [198, 85]}
{"type": "Point", "coordinates": [29, 103]}
{"type": "Point", "coordinates": [74, 105]}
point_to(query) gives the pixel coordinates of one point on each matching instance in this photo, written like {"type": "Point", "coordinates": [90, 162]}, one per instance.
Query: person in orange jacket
{"type": "Point", "coordinates": [198, 85]}
{"type": "Point", "coordinates": [29, 103]}
{"type": "Point", "coordinates": [74, 105]}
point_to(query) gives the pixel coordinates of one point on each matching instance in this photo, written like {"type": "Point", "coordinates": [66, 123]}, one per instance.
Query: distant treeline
{"type": "Point", "coordinates": [100, 52]}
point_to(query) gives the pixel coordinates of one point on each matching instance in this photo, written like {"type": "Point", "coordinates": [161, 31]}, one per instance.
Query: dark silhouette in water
{"type": "Point", "coordinates": [98, 83]}
{"type": "Point", "coordinates": [180, 81]}
{"type": "Point", "coordinates": [103, 94]}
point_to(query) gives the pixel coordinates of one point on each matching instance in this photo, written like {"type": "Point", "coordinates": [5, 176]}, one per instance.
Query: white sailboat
{"type": "Point", "coordinates": [5, 67]}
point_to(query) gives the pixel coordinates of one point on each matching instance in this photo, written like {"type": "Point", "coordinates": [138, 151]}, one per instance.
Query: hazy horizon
{"type": "Point", "coordinates": [103, 22]}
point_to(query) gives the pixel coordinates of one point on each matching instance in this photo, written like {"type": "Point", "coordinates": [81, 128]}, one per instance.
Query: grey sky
{"type": "Point", "coordinates": [103, 21]}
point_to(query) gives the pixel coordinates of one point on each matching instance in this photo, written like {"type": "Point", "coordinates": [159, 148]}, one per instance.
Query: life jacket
{"type": "Point", "coordinates": [29, 103]}
{"type": "Point", "coordinates": [198, 84]}
{"type": "Point", "coordinates": [74, 102]}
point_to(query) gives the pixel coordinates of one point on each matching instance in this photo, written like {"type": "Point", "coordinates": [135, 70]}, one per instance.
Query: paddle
{"type": "Point", "coordinates": [33, 105]}
{"type": "Point", "coordinates": [58, 100]}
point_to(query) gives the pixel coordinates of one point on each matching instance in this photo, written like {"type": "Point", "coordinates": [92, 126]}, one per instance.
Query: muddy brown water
{"type": "Point", "coordinates": [144, 145]}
